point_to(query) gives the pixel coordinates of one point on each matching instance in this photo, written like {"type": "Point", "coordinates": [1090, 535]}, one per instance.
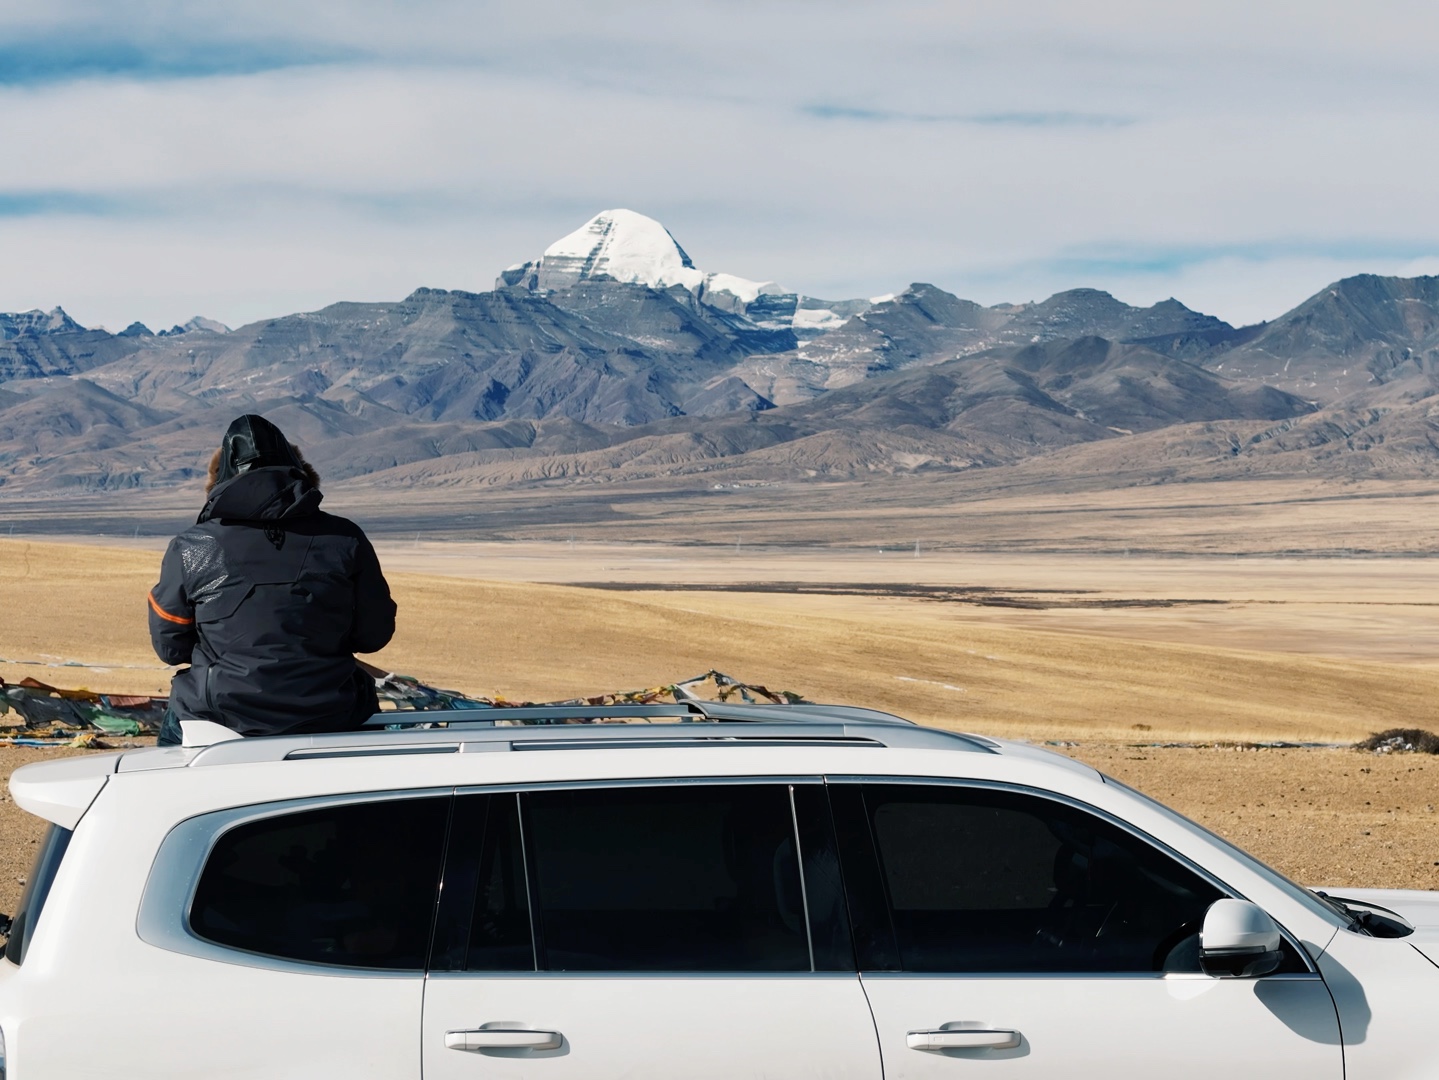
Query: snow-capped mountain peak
{"type": "Point", "coordinates": [623, 245]}
{"type": "Point", "coordinates": [628, 247]}
{"type": "Point", "coordinates": [632, 249]}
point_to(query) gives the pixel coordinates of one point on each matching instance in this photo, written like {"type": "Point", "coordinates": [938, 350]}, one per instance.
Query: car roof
{"type": "Point", "coordinates": [61, 791]}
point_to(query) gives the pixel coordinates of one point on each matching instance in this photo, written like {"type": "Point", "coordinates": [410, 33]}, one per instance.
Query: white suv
{"type": "Point", "coordinates": [791, 891]}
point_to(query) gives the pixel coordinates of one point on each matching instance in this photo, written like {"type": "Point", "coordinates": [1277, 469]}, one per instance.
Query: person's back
{"type": "Point", "coordinates": [268, 598]}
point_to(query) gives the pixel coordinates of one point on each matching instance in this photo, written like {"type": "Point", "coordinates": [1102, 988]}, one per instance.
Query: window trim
{"type": "Point", "coordinates": [163, 919]}
{"type": "Point", "coordinates": [641, 782]}
{"type": "Point", "coordinates": [799, 866]}
{"type": "Point", "coordinates": [836, 780]}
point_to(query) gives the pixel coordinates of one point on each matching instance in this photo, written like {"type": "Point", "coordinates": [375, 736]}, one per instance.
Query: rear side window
{"type": "Point", "coordinates": [684, 878]}
{"type": "Point", "coordinates": [37, 890]}
{"type": "Point", "coordinates": [352, 885]}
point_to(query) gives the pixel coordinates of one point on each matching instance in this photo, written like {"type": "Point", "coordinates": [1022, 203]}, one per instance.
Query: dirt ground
{"type": "Point", "coordinates": [1098, 650]}
{"type": "Point", "coordinates": [1083, 648]}
{"type": "Point", "coordinates": [1323, 817]}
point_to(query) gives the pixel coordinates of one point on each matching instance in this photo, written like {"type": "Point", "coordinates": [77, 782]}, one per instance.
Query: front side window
{"type": "Point", "coordinates": [351, 885]}
{"type": "Point", "coordinates": [984, 880]}
{"type": "Point", "coordinates": [668, 878]}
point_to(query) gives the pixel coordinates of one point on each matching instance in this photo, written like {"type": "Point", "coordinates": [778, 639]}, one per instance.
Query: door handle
{"type": "Point", "coordinates": [963, 1039]}
{"type": "Point", "coordinates": [503, 1039]}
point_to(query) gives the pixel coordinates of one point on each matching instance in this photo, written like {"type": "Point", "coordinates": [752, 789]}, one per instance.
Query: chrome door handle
{"type": "Point", "coordinates": [503, 1039]}
{"type": "Point", "coordinates": [963, 1039]}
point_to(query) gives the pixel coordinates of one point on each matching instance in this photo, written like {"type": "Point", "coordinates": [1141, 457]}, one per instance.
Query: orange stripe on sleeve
{"type": "Point", "coordinates": [158, 610]}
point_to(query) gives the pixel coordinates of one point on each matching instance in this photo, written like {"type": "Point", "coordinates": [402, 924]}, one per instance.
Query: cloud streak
{"type": "Point", "coordinates": [1002, 119]}
{"type": "Point", "coordinates": [44, 61]}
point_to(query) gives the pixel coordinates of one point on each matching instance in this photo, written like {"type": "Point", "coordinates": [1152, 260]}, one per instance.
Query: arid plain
{"type": "Point", "coordinates": [1100, 622]}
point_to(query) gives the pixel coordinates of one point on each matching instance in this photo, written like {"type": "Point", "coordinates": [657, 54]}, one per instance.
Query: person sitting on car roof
{"type": "Point", "coordinates": [267, 598]}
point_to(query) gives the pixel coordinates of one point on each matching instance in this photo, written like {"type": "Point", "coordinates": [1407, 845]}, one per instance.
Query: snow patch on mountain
{"type": "Point", "coordinates": [630, 248]}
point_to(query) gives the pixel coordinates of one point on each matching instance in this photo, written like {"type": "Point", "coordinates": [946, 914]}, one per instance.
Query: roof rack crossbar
{"type": "Point", "coordinates": [541, 715]}
{"type": "Point", "coordinates": [689, 709]}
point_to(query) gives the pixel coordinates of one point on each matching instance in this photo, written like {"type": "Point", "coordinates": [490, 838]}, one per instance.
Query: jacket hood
{"type": "Point", "coordinates": [268, 493]}
{"type": "Point", "coordinates": [252, 442]}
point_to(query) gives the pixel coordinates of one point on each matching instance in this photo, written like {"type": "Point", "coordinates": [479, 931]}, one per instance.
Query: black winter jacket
{"type": "Point", "coordinates": [268, 599]}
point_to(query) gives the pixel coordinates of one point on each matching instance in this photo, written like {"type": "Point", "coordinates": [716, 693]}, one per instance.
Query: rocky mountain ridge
{"type": "Point", "coordinates": [612, 356]}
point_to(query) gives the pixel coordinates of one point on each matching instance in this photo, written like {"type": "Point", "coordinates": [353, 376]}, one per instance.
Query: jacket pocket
{"type": "Point", "coordinates": [223, 603]}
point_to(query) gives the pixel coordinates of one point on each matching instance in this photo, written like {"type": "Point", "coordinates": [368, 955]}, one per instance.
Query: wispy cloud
{"type": "Point", "coordinates": [1021, 119]}
{"type": "Point", "coordinates": [1053, 119]}
{"type": "Point", "coordinates": [20, 204]}
{"type": "Point", "coordinates": [1164, 259]}
{"type": "Point", "coordinates": [48, 60]}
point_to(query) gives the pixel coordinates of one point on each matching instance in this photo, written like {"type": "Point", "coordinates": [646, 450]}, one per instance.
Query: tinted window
{"type": "Point", "coordinates": [352, 885]}
{"type": "Point", "coordinates": [823, 885]}
{"type": "Point", "coordinates": [983, 880]}
{"type": "Point", "coordinates": [500, 922]}
{"type": "Point", "coordinates": [37, 889]}
{"type": "Point", "coordinates": [701, 878]}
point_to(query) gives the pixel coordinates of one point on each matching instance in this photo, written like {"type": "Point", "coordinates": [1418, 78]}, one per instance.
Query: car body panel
{"type": "Point", "coordinates": [656, 1027]}
{"type": "Point", "coordinates": [1387, 992]}
{"type": "Point", "coordinates": [191, 1017]}
{"type": "Point", "coordinates": [1181, 1027]}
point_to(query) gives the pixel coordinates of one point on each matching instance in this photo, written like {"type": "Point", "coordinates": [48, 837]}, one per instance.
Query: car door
{"type": "Point", "coordinates": [1026, 936]}
{"type": "Point", "coordinates": [645, 931]}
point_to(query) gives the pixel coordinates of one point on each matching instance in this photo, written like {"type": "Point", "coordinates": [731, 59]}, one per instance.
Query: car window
{"type": "Point", "coordinates": [37, 890]}
{"type": "Point", "coordinates": [500, 919]}
{"type": "Point", "coordinates": [829, 924]}
{"type": "Point", "coordinates": [666, 878]}
{"type": "Point", "coordinates": [352, 884]}
{"type": "Point", "coordinates": [1295, 891]}
{"type": "Point", "coordinates": [985, 880]}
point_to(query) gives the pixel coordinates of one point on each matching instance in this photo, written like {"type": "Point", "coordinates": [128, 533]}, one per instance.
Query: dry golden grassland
{"type": "Point", "coordinates": [1103, 651]}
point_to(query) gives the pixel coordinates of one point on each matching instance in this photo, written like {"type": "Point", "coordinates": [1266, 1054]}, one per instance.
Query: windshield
{"type": "Point", "coordinates": [1322, 907]}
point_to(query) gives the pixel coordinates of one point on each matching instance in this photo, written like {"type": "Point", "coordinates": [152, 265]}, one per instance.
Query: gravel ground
{"type": "Point", "coordinates": [19, 831]}
{"type": "Point", "coordinates": [1324, 817]}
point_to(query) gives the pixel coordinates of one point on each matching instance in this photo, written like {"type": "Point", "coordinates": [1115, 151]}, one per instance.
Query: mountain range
{"type": "Point", "coordinates": [611, 356]}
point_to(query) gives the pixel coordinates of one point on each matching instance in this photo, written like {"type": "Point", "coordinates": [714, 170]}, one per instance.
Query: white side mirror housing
{"type": "Point", "coordinates": [1239, 941]}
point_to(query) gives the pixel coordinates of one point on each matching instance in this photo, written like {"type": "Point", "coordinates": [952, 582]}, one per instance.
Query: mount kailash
{"type": "Point", "coordinates": [613, 356]}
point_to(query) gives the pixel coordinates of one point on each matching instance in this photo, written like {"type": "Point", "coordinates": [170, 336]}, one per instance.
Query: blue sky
{"type": "Point", "coordinates": [166, 159]}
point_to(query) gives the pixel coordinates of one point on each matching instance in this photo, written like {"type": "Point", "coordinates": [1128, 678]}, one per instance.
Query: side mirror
{"type": "Point", "coordinates": [1238, 941]}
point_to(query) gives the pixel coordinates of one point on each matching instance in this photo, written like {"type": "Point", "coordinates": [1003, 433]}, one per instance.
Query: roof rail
{"type": "Point", "coordinates": [538, 715]}
{"type": "Point", "coordinates": [689, 709]}
{"type": "Point", "coordinates": [593, 726]}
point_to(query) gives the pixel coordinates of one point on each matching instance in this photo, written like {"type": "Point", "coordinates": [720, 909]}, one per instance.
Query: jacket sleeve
{"type": "Point", "coordinates": [172, 616]}
{"type": "Point", "coordinates": [374, 610]}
